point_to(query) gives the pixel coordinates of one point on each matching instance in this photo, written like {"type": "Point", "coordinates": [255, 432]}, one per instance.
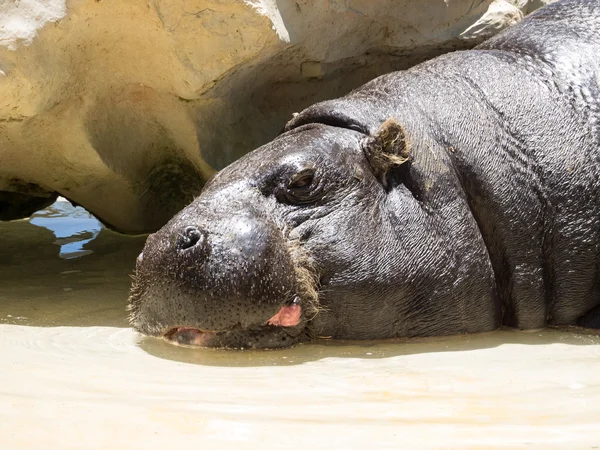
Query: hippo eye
{"type": "Point", "coordinates": [302, 188]}
{"type": "Point", "coordinates": [302, 180]}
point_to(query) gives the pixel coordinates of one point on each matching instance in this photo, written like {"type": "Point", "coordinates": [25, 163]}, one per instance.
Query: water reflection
{"type": "Point", "coordinates": [72, 225]}
{"type": "Point", "coordinates": [391, 348]}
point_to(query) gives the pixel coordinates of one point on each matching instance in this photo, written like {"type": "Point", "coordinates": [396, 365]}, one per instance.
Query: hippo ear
{"type": "Point", "coordinates": [387, 149]}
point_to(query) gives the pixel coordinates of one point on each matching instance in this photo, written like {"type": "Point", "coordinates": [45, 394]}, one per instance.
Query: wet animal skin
{"type": "Point", "coordinates": [454, 197]}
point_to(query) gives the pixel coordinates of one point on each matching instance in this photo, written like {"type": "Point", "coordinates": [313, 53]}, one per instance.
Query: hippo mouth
{"type": "Point", "coordinates": [281, 330]}
{"type": "Point", "coordinates": [189, 336]}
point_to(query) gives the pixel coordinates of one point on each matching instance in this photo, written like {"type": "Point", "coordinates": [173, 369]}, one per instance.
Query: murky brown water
{"type": "Point", "coordinates": [73, 375]}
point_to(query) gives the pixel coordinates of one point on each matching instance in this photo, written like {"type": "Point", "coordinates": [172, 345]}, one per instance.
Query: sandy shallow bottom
{"type": "Point", "coordinates": [75, 376]}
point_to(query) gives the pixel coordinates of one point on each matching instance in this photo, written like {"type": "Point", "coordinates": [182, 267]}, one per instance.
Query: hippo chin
{"type": "Point", "coordinates": [455, 197]}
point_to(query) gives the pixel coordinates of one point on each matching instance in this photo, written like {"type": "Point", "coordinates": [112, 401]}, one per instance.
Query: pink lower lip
{"type": "Point", "coordinates": [288, 316]}
{"type": "Point", "coordinates": [189, 336]}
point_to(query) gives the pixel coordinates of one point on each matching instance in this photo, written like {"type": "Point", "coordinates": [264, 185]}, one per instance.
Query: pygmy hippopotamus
{"type": "Point", "coordinates": [454, 197]}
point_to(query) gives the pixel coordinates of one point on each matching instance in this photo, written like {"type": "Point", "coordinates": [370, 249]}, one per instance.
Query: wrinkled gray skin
{"type": "Point", "coordinates": [481, 209]}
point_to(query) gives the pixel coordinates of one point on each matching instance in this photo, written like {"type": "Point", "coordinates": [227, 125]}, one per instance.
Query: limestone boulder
{"type": "Point", "coordinates": [128, 107]}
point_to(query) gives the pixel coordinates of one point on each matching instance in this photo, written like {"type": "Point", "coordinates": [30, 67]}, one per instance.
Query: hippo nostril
{"type": "Point", "coordinates": [190, 237]}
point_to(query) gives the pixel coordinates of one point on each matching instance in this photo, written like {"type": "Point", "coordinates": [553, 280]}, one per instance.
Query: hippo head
{"type": "Point", "coordinates": [296, 240]}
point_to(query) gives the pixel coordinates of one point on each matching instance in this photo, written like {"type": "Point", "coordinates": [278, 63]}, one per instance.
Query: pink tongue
{"type": "Point", "coordinates": [288, 316]}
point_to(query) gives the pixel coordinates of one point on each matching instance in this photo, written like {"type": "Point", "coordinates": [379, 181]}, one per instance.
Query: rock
{"type": "Point", "coordinates": [126, 108]}
{"type": "Point", "coordinates": [499, 14]}
{"type": "Point", "coordinates": [528, 6]}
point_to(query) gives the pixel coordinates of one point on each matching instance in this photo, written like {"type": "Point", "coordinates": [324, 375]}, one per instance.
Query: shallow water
{"type": "Point", "coordinates": [75, 376]}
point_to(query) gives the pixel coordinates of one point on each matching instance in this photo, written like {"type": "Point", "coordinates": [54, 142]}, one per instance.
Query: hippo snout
{"type": "Point", "coordinates": [228, 274]}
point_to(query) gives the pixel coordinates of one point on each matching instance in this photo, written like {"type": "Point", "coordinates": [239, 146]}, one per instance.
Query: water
{"type": "Point", "coordinates": [75, 376]}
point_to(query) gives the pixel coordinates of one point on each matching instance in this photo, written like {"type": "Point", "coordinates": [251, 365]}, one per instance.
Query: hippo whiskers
{"type": "Point", "coordinates": [458, 196]}
{"type": "Point", "coordinates": [307, 279]}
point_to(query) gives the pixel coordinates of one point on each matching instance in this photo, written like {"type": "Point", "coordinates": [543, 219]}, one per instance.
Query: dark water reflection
{"type": "Point", "coordinates": [365, 349]}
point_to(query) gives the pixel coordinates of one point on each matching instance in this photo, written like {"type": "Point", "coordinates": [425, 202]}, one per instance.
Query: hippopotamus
{"type": "Point", "coordinates": [458, 196]}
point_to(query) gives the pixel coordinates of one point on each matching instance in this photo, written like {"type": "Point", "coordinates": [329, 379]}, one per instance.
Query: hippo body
{"type": "Point", "coordinates": [454, 197]}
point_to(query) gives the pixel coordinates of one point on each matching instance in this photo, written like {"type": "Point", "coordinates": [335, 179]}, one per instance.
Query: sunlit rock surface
{"type": "Point", "coordinates": [127, 107]}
